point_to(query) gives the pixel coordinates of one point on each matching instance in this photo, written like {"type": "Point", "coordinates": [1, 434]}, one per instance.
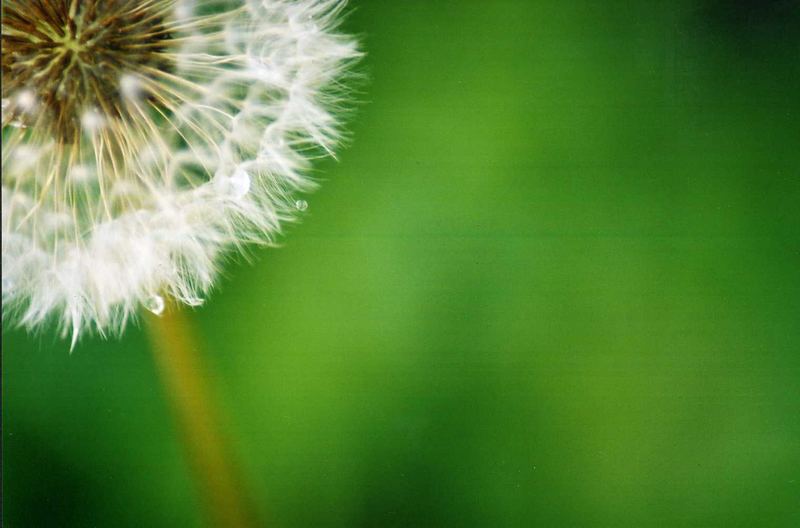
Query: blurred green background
{"type": "Point", "coordinates": [554, 281]}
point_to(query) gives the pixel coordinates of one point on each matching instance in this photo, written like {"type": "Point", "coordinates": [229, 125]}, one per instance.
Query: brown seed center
{"type": "Point", "coordinates": [65, 59]}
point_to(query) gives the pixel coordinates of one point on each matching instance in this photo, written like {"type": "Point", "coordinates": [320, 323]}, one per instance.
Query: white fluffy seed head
{"type": "Point", "coordinates": [127, 183]}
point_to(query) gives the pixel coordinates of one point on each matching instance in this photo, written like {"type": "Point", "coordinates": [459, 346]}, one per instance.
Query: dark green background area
{"type": "Point", "coordinates": [554, 281]}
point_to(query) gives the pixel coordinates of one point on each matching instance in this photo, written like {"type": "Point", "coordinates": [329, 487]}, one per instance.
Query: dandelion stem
{"type": "Point", "coordinates": [179, 364]}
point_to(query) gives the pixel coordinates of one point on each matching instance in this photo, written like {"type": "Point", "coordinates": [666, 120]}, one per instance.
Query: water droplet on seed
{"type": "Point", "coordinates": [301, 205]}
{"type": "Point", "coordinates": [130, 86]}
{"type": "Point", "coordinates": [239, 183]}
{"type": "Point", "coordinates": [92, 121]}
{"type": "Point", "coordinates": [80, 173]}
{"type": "Point", "coordinates": [26, 100]}
{"type": "Point", "coordinates": [155, 304]}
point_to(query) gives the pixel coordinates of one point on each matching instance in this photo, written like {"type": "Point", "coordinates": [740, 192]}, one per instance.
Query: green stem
{"type": "Point", "coordinates": [177, 357]}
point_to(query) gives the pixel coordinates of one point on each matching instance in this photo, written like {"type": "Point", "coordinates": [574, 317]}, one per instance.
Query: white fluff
{"type": "Point", "coordinates": [254, 95]}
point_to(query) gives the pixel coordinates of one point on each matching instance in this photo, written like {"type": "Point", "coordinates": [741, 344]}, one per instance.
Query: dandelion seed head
{"type": "Point", "coordinates": [142, 139]}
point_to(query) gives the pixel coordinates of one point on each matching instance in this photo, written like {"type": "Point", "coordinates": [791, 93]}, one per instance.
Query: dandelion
{"type": "Point", "coordinates": [142, 139]}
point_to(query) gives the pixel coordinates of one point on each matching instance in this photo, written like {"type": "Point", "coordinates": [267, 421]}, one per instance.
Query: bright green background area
{"type": "Point", "coordinates": [555, 281]}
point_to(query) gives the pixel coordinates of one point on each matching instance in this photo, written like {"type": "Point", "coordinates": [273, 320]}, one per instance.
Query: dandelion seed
{"type": "Point", "coordinates": [144, 138]}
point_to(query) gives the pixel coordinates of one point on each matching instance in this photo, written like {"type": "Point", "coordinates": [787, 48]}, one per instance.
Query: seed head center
{"type": "Point", "coordinates": [64, 59]}
{"type": "Point", "coordinates": [72, 44]}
